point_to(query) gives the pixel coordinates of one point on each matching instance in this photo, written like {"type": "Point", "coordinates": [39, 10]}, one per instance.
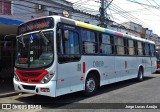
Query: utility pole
{"type": "Point", "coordinates": [103, 13]}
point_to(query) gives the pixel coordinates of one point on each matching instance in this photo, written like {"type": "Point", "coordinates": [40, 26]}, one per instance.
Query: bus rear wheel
{"type": "Point", "coordinates": [140, 76]}
{"type": "Point", "coordinates": [91, 85]}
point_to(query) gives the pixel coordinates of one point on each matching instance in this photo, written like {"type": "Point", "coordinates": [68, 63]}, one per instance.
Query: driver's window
{"type": "Point", "coordinates": [68, 42]}
{"type": "Point", "coordinates": [68, 46]}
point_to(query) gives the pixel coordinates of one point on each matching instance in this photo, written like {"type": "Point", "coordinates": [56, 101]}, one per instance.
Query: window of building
{"type": "Point", "coordinates": [140, 48]}
{"type": "Point", "coordinates": [131, 48]}
{"type": "Point", "coordinates": [106, 44]}
{"type": "Point", "coordinates": [89, 41]}
{"type": "Point", "coordinates": [5, 7]}
{"type": "Point", "coordinates": [119, 42]}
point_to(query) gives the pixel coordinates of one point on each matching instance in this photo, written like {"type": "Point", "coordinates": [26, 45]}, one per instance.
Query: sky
{"type": "Point", "coordinates": [143, 12]}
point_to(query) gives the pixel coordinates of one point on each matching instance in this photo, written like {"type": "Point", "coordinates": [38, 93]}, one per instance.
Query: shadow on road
{"type": "Point", "coordinates": [157, 72]}
{"type": "Point", "coordinates": [6, 85]}
{"type": "Point", "coordinates": [65, 100]}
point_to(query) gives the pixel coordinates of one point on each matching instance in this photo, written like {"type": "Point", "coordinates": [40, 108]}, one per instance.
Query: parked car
{"type": "Point", "coordinates": [158, 66]}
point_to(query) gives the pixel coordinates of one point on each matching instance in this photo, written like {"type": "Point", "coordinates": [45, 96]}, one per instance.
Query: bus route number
{"type": "Point", "coordinates": [98, 63]}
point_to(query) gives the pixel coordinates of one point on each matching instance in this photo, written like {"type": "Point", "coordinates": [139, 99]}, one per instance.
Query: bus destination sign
{"type": "Point", "coordinates": [34, 25]}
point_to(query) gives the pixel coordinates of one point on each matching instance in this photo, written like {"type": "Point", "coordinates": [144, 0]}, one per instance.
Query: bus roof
{"type": "Point", "coordinates": [93, 27]}
{"type": "Point", "coordinates": [101, 29]}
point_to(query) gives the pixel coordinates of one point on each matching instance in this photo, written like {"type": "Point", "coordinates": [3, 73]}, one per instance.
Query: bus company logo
{"type": "Point", "coordinates": [6, 106]}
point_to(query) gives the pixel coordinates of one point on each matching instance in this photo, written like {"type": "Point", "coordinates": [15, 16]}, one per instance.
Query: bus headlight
{"type": "Point", "coordinates": [16, 77]}
{"type": "Point", "coordinates": [47, 78]}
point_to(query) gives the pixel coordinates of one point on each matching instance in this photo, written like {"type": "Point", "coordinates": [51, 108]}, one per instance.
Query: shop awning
{"type": "Point", "coordinates": [8, 26]}
{"type": "Point", "coordinates": [9, 21]}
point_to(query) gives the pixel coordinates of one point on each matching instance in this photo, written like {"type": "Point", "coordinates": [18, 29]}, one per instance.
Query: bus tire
{"type": "Point", "coordinates": [140, 76]}
{"type": "Point", "coordinates": [91, 85]}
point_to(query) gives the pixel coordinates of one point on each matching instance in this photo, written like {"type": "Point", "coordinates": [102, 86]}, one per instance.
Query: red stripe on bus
{"type": "Point", "coordinates": [84, 67]}
{"type": "Point", "coordinates": [119, 34]}
{"type": "Point", "coordinates": [62, 80]}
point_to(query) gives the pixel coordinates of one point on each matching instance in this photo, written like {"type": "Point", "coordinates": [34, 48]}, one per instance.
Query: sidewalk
{"type": "Point", "coordinates": [6, 87]}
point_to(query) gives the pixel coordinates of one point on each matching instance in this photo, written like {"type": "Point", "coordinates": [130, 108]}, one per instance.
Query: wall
{"type": "Point", "coordinates": [24, 11]}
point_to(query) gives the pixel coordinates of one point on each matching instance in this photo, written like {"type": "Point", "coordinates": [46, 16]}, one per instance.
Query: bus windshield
{"type": "Point", "coordinates": [35, 50]}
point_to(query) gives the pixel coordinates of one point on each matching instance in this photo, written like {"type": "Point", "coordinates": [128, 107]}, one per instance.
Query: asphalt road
{"type": "Point", "coordinates": [125, 92]}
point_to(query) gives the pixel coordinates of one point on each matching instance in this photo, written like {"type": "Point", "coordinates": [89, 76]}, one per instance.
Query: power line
{"type": "Point", "coordinates": [147, 8]}
{"type": "Point", "coordinates": [77, 2]}
{"type": "Point", "coordinates": [131, 11]}
{"type": "Point", "coordinates": [82, 3]}
{"type": "Point", "coordinates": [86, 8]}
{"type": "Point", "coordinates": [156, 3]}
{"type": "Point", "coordinates": [111, 13]}
{"type": "Point", "coordinates": [127, 15]}
{"type": "Point", "coordinates": [152, 6]}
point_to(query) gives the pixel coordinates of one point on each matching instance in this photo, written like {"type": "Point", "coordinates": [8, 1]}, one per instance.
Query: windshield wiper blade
{"type": "Point", "coordinates": [22, 40]}
{"type": "Point", "coordinates": [43, 36]}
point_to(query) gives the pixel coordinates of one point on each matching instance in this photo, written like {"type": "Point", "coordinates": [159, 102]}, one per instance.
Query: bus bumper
{"type": "Point", "coordinates": [41, 89]}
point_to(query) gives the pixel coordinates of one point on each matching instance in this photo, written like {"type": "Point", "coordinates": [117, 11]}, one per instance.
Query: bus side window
{"type": "Point", "coordinates": [152, 50]}
{"type": "Point", "coordinates": [68, 46]}
{"type": "Point", "coordinates": [89, 42]}
{"type": "Point", "coordinates": [59, 41]}
{"type": "Point", "coordinates": [140, 48]}
{"type": "Point", "coordinates": [146, 49]}
{"type": "Point", "coordinates": [131, 47]}
{"type": "Point", "coordinates": [119, 45]}
{"type": "Point", "coordinates": [106, 46]}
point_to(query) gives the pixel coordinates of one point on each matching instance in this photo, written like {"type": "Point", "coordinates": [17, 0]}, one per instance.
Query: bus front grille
{"type": "Point", "coordinates": [29, 87]}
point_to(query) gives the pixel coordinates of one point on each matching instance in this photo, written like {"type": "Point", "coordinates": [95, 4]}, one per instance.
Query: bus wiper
{"type": "Point", "coordinates": [43, 36]}
{"type": "Point", "coordinates": [22, 41]}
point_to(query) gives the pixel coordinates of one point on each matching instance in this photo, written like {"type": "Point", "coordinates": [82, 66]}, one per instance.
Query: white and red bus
{"type": "Point", "coordinates": [57, 56]}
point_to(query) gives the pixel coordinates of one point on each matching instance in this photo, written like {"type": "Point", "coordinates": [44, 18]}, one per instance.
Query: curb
{"type": "Point", "coordinates": [9, 94]}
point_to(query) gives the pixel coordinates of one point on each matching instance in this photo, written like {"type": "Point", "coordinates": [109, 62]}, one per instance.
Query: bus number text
{"type": "Point", "coordinates": [98, 63]}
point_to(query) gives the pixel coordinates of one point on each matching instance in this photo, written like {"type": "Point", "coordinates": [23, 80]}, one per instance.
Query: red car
{"type": "Point", "coordinates": [158, 66]}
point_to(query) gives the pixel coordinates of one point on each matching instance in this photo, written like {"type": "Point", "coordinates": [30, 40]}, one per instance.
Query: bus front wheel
{"type": "Point", "coordinates": [91, 85]}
